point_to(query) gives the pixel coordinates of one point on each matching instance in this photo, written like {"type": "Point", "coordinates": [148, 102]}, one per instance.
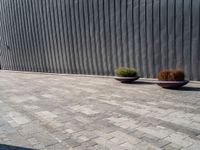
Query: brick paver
{"type": "Point", "coordinates": [60, 112]}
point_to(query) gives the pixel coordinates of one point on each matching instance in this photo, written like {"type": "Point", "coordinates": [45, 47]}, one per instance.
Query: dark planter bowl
{"type": "Point", "coordinates": [171, 84]}
{"type": "Point", "coordinates": [126, 79]}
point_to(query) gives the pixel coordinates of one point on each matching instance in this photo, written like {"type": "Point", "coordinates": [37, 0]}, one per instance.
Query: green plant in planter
{"type": "Point", "coordinates": [126, 72]}
{"type": "Point", "coordinates": [171, 75]}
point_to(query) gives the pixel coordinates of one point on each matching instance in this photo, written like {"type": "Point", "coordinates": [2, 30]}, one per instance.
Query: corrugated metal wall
{"type": "Point", "coordinates": [96, 36]}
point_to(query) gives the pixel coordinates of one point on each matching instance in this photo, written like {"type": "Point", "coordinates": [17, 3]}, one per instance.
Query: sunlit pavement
{"type": "Point", "coordinates": [59, 112]}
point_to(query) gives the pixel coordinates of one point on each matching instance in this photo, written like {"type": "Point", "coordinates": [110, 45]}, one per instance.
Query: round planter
{"type": "Point", "coordinates": [171, 84]}
{"type": "Point", "coordinates": [126, 79]}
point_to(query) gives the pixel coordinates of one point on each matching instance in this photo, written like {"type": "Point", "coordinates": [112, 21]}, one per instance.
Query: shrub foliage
{"type": "Point", "coordinates": [126, 72]}
{"type": "Point", "coordinates": [171, 75]}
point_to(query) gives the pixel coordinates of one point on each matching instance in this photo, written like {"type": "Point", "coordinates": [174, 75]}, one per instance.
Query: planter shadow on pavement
{"type": "Point", "coordinates": [139, 82]}
{"type": "Point", "coordinates": [187, 88]}
{"type": "Point", "coordinates": [10, 147]}
{"type": "Point", "coordinates": [142, 82]}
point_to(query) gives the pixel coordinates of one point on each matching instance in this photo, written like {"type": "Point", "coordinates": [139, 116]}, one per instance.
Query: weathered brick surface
{"type": "Point", "coordinates": [47, 112]}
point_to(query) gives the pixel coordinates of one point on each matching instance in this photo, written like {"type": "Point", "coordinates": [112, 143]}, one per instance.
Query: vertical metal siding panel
{"type": "Point", "coordinates": [31, 41]}
{"type": "Point", "coordinates": [41, 33]}
{"type": "Point", "coordinates": [1, 34]}
{"type": "Point", "coordinates": [12, 32]}
{"type": "Point", "coordinates": [113, 34]}
{"type": "Point", "coordinates": [25, 42]}
{"type": "Point", "coordinates": [13, 35]}
{"type": "Point", "coordinates": [36, 28]}
{"type": "Point", "coordinates": [102, 37]}
{"type": "Point", "coordinates": [164, 33]}
{"type": "Point", "coordinates": [50, 17]}
{"type": "Point", "coordinates": [143, 37]}
{"type": "Point", "coordinates": [51, 31]}
{"type": "Point", "coordinates": [195, 39]}
{"type": "Point", "coordinates": [150, 38]}
{"type": "Point", "coordinates": [97, 37]}
{"type": "Point", "coordinates": [66, 37]}
{"type": "Point", "coordinates": [92, 37]}
{"type": "Point", "coordinates": [54, 36]}
{"type": "Point", "coordinates": [48, 34]}
{"type": "Point", "coordinates": [57, 40]}
{"type": "Point", "coordinates": [198, 60]}
{"type": "Point", "coordinates": [45, 36]}
{"type": "Point", "coordinates": [7, 40]}
{"type": "Point", "coordinates": [78, 35]}
{"type": "Point", "coordinates": [2, 60]}
{"type": "Point", "coordinates": [83, 37]}
{"type": "Point", "coordinates": [87, 36]}
{"type": "Point", "coordinates": [61, 46]}
{"type": "Point", "coordinates": [33, 37]}
{"type": "Point", "coordinates": [130, 32]}
{"type": "Point", "coordinates": [187, 37]}
{"type": "Point", "coordinates": [137, 36]}
{"type": "Point", "coordinates": [27, 37]}
{"type": "Point", "coordinates": [55, 51]}
{"type": "Point", "coordinates": [118, 33]}
{"type": "Point", "coordinates": [70, 36]}
{"type": "Point", "coordinates": [2, 17]}
{"type": "Point", "coordinates": [171, 34]}
{"type": "Point", "coordinates": [157, 36]}
{"type": "Point", "coordinates": [3, 38]}
{"type": "Point", "coordinates": [17, 36]}
{"type": "Point", "coordinates": [124, 33]}
{"type": "Point", "coordinates": [74, 36]}
{"type": "Point", "coordinates": [21, 41]}
{"type": "Point", "coordinates": [62, 32]}
{"type": "Point", "coordinates": [108, 36]}
{"type": "Point", "coordinates": [47, 26]}
{"type": "Point", "coordinates": [179, 34]}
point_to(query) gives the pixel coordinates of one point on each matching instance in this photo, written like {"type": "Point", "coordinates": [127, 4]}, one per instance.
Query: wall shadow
{"type": "Point", "coordinates": [10, 147]}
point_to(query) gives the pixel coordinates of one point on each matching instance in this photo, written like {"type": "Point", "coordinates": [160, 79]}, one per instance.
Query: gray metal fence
{"type": "Point", "coordinates": [96, 36]}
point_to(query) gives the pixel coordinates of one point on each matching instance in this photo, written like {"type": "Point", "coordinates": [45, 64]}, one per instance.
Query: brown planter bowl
{"type": "Point", "coordinates": [126, 79]}
{"type": "Point", "coordinates": [171, 84]}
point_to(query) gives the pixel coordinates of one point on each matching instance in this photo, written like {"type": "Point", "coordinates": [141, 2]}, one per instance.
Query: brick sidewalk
{"type": "Point", "coordinates": [56, 112]}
